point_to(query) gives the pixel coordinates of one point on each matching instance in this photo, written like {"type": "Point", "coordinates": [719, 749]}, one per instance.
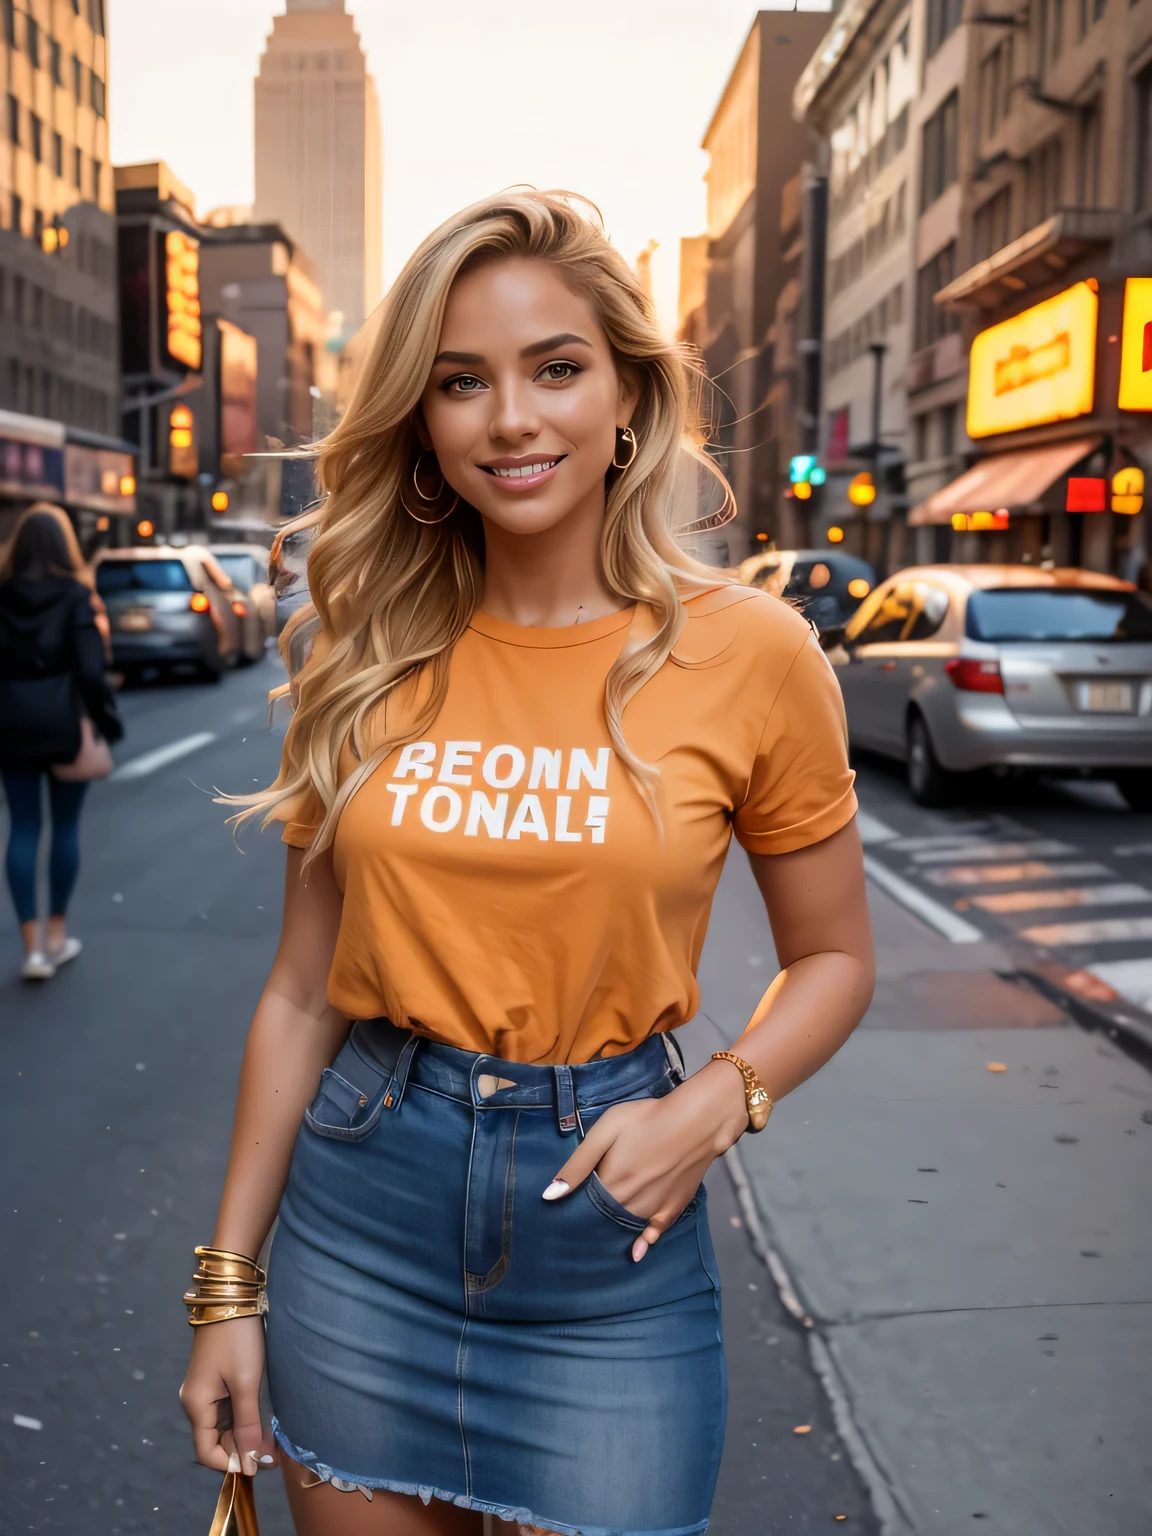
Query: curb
{"type": "Point", "coordinates": [1127, 1026]}
{"type": "Point", "coordinates": [892, 1518]}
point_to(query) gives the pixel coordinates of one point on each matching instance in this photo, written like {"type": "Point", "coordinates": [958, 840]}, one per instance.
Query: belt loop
{"type": "Point", "coordinates": [400, 1073]}
{"type": "Point", "coordinates": [565, 1100]}
{"type": "Point", "coordinates": [675, 1057]}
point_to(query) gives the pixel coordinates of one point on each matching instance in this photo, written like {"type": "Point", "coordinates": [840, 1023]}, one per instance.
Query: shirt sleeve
{"type": "Point", "coordinates": [800, 788]}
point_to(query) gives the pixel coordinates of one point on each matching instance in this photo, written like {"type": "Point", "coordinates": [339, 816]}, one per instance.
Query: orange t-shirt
{"type": "Point", "coordinates": [506, 888]}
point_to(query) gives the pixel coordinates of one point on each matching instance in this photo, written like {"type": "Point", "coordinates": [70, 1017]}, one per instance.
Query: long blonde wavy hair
{"type": "Point", "coordinates": [392, 595]}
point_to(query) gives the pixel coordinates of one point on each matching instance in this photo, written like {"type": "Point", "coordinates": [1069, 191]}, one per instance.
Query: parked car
{"type": "Point", "coordinates": [171, 606]}
{"type": "Point", "coordinates": [959, 668]}
{"type": "Point", "coordinates": [247, 566]}
{"type": "Point", "coordinates": [824, 584]}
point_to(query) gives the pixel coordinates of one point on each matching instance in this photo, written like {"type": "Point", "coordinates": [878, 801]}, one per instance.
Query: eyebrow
{"type": "Point", "coordinates": [565, 338]}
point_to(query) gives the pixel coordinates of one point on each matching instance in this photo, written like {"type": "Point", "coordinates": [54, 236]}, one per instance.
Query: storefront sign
{"type": "Point", "coordinates": [99, 479]}
{"type": "Point", "coordinates": [1136, 346]}
{"type": "Point", "coordinates": [1039, 366]}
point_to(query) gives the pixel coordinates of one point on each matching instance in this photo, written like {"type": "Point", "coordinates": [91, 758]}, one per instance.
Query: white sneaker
{"type": "Point", "coordinates": [68, 951]}
{"type": "Point", "coordinates": [37, 967]}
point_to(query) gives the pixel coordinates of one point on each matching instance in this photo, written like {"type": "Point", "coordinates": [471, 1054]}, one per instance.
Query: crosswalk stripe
{"type": "Point", "coordinates": [149, 762]}
{"type": "Point", "coordinates": [945, 921]}
{"type": "Point", "coordinates": [1080, 896]}
{"type": "Point", "coordinates": [1004, 874]}
{"type": "Point", "coordinates": [1131, 978]}
{"type": "Point", "coordinates": [1041, 848]}
{"type": "Point", "coordinates": [1113, 930]}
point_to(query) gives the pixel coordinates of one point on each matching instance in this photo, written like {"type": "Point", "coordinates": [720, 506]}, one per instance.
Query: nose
{"type": "Point", "coordinates": [514, 415]}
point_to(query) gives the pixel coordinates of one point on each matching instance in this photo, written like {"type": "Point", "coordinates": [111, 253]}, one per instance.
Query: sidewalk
{"type": "Point", "coordinates": [974, 1247]}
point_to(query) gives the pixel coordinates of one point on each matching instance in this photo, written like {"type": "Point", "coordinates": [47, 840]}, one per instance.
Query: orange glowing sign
{"type": "Point", "coordinates": [1136, 346]}
{"type": "Point", "coordinates": [1128, 490]}
{"type": "Point", "coordinates": [1039, 366]}
{"type": "Point", "coordinates": [980, 522]}
{"type": "Point", "coordinates": [182, 297]}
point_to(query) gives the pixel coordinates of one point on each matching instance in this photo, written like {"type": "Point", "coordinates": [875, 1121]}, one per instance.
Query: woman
{"type": "Point", "coordinates": [52, 655]}
{"type": "Point", "coordinates": [526, 730]}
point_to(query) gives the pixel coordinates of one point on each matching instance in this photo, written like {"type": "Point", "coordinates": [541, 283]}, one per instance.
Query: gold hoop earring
{"type": "Point", "coordinates": [428, 522]}
{"type": "Point", "coordinates": [627, 436]}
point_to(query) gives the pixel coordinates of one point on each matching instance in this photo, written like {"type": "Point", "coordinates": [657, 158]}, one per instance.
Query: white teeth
{"type": "Point", "coordinates": [525, 469]}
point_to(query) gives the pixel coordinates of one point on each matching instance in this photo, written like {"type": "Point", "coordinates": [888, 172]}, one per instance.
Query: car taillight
{"type": "Point", "coordinates": [199, 603]}
{"type": "Point", "coordinates": [975, 676]}
{"type": "Point", "coordinates": [239, 607]}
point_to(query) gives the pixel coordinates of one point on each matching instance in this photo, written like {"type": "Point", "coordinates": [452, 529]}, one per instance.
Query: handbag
{"type": "Point", "coordinates": [93, 761]}
{"type": "Point", "coordinates": [236, 1507]}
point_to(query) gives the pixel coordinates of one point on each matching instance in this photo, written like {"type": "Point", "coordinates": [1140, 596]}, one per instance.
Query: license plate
{"type": "Point", "coordinates": [1109, 698]}
{"type": "Point", "coordinates": [134, 621]}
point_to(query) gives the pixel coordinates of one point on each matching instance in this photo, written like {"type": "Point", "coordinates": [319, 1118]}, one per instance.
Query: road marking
{"type": "Point", "coordinates": [872, 829]}
{"type": "Point", "coordinates": [1082, 896]}
{"type": "Point", "coordinates": [22, 1421]}
{"type": "Point", "coordinates": [149, 762]}
{"type": "Point", "coordinates": [1112, 930]}
{"type": "Point", "coordinates": [1131, 978]}
{"type": "Point", "coordinates": [1042, 848]}
{"type": "Point", "coordinates": [950, 840]}
{"type": "Point", "coordinates": [1003, 874]}
{"type": "Point", "coordinates": [922, 905]}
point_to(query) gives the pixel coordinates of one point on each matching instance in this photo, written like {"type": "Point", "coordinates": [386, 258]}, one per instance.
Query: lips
{"type": "Point", "coordinates": [523, 471]}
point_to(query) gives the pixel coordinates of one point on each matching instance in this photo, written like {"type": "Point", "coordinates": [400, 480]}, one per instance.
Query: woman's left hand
{"type": "Point", "coordinates": [651, 1154]}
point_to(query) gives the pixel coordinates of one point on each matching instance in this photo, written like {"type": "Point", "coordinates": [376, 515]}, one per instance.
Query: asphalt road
{"type": "Point", "coordinates": [117, 1081]}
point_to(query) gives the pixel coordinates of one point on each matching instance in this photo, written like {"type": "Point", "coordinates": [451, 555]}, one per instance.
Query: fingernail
{"type": "Point", "coordinates": [234, 1463]}
{"type": "Point", "coordinates": [639, 1249]}
{"type": "Point", "coordinates": [557, 1188]}
{"type": "Point", "coordinates": [267, 1461]}
{"type": "Point", "coordinates": [255, 1455]}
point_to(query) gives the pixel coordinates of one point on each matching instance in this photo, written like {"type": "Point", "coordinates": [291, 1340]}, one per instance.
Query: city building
{"type": "Point", "coordinates": [319, 170]}
{"type": "Point", "coordinates": [59, 361]}
{"type": "Point", "coordinates": [756, 149]}
{"type": "Point", "coordinates": [1050, 288]}
{"type": "Point", "coordinates": [862, 93]}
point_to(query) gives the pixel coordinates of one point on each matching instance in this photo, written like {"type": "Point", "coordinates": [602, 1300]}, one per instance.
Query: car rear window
{"type": "Point", "coordinates": [1047, 613]}
{"type": "Point", "coordinates": [241, 570]}
{"type": "Point", "coordinates": [115, 576]}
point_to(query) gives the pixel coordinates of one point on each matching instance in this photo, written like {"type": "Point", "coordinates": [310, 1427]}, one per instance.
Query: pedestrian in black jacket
{"type": "Point", "coordinates": [51, 674]}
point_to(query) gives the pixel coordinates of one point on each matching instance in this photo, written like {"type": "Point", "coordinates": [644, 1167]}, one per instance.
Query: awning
{"type": "Point", "coordinates": [1015, 481]}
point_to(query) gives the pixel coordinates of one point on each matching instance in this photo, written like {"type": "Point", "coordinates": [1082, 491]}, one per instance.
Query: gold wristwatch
{"type": "Point", "coordinates": [756, 1095]}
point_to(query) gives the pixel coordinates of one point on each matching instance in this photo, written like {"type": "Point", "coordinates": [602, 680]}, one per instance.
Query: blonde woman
{"type": "Point", "coordinates": [527, 730]}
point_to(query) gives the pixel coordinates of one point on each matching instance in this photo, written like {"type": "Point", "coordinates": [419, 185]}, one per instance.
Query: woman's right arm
{"type": "Point", "coordinates": [295, 1034]}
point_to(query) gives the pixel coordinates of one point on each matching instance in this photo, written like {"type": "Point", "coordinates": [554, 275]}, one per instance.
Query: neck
{"type": "Point", "coordinates": [550, 579]}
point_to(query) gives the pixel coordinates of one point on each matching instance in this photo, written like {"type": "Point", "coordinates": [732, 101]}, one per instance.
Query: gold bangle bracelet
{"type": "Point", "coordinates": [200, 1316]}
{"type": "Point", "coordinates": [755, 1094]}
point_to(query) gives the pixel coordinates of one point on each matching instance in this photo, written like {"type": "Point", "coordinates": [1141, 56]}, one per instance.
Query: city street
{"type": "Point", "coordinates": [936, 1261]}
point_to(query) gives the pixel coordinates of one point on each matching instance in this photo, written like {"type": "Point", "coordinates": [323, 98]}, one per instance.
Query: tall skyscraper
{"type": "Point", "coordinates": [318, 152]}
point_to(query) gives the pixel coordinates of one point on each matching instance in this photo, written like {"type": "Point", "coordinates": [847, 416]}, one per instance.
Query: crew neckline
{"type": "Point", "coordinates": [539, 637]}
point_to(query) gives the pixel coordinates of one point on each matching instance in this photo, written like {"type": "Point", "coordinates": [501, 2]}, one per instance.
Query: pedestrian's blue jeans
{"type": "Point", "coordinates": [438, 1329]}
{"type": "Point", "coordinates": [22, 791]}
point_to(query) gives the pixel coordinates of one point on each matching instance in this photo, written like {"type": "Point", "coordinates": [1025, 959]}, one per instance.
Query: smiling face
{"type": "Point", "coordinates": [524, 398]}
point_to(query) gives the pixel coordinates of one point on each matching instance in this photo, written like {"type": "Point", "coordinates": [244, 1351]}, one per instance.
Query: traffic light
{"type": "Point", "coordinates": [220, 501]}
{"type": "Point", "coordinates": [803, 469]}
{"type": "Point", "coordinates": [145, 529]}
{"type": "Point", "coordinates": [182, 458]}
{"type": "Point", "coordinates": [861, 490]}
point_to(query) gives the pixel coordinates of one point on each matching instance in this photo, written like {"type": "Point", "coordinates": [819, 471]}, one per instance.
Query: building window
{"type": "Point", "coordinates": [77, 167]}
{"type": "Point", "coordinates": [938, 158]}
{"type": "Point", "coordinates": [37, 224]}
{"type": "Point", "coordinates": [97, 94]}
{"type": "Point", "coordinates": [58, 154]}
{"type": "Point", "coordinates": [17, 214]}
{"type": "Point", "coordinates": [1054, 27]}
{"type": "Point", "coordinates": [9, 23]}
{"type": "Point", "coordinates": [1144, 140]}
{"type": "Point", "coordinates": [1044, 180]}
{"type": "Point", "coordinates": [37, 136]}
{"type": "Point", "coordinates": [932, 321]}
{"type": "Point", "coordinates": [992, 226]}
{"type": "Point", "coordinates": [1091, 140]}
{"type": "Point", "coordinates": [943, 19]}
{"type": "Point", "coordinates": [77, 78]}
{"type": "Point", "coordinates": [996, 87]}
{"type": "Point", "coordinates": [56, 61]}
{"type": "Point", "coordinates": [96, 15]}
{"type": "Point", "coordinates": [32, 35]}
{"type": "Point", "coordinates": [37, 317]}
{"type": "Point", "coordinates": [14, 120]}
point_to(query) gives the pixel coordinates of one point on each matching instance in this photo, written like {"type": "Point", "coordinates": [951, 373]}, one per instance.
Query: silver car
{"type": "Point", "coordinates": [170, 606]}
{"type": "Point", "coordinates": [959, 668]}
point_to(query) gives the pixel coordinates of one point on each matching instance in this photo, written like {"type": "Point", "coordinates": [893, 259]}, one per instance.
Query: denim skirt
{"type": "Point", "coordinates": [438, 1329]}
